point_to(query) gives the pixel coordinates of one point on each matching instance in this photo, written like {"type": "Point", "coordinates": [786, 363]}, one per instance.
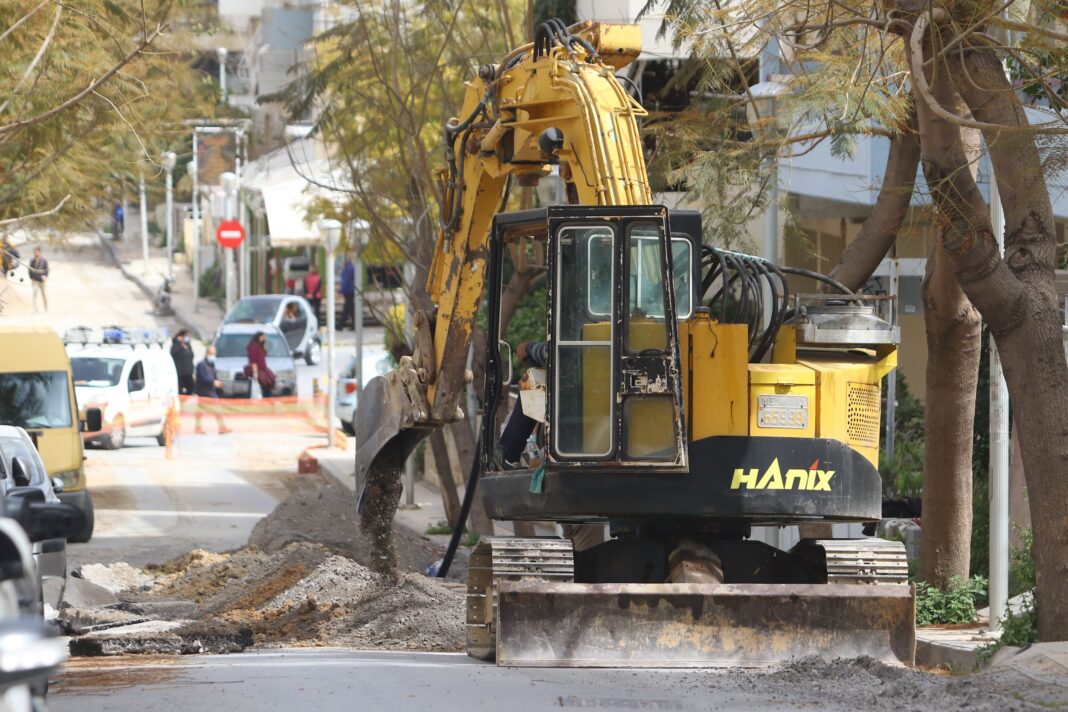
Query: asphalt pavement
{"type": "Point", "coordinates": [328, 679]}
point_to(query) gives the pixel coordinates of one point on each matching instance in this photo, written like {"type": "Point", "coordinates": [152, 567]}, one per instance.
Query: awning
{"type": "Point", "coordinates": [286, 205]}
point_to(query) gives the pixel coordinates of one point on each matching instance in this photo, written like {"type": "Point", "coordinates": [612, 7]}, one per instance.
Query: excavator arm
{"type": "Point", "coordinates": [556, 100]}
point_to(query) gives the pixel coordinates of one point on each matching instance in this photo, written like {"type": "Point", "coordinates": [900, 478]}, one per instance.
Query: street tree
{"type": "Point", "coordinates": [91, 93]}
{"type": "Point", "coordinates": [379, 87]}
{"type": "Point", "coordinates": [927, 74]}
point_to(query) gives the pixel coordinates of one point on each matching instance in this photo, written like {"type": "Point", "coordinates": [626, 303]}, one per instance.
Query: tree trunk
{"type": "Point", "coordinates": [1016, 298]}
{"type": "Point", "coordinates": [880, 228]}
{"type": "Point", "coordinates": [954, 331]}
{"type": "Point", "coordinates": [450, 499]}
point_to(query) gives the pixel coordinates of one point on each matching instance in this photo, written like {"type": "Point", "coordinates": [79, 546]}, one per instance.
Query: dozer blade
{"type": "Point", "coordinates": [548, 624]}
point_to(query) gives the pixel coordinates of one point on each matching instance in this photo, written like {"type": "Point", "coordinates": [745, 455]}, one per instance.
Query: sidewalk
{"type": "Point", "coordinates": [129, 259]}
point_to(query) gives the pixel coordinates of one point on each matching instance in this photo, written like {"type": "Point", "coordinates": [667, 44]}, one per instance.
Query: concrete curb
{"type": "Point", "coordinates": [956, 648]}
{"type": "Point", "coordinates": [179, 314]}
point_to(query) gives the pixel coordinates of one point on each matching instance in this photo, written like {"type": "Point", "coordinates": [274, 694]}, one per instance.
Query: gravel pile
{"type": "Point", "coordinates": [308, 578]}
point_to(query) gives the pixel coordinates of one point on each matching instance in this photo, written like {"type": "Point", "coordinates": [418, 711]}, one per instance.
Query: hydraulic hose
{"type": "Point", "coordinates": [465, 509]}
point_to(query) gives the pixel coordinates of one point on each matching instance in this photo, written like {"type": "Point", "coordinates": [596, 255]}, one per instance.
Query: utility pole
{"type": "Point", "coordinates": [144, 226]}
{"type": "Point", "coordinates": [999, 452]}
{"type": "Point", "coordinates": [195, 167]}
{"type": "Point", "coordinates": [228, 181]}
{"type": "Point", "coordinates": [331, 230]}
{"type": "Point", "coordinates": [222, 52]}
{"type": "Point", "coordinates": [169, 160]}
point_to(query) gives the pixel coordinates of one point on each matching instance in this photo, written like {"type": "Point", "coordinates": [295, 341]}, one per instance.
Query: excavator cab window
{"type": "Point", "coordinates": [614, 391]}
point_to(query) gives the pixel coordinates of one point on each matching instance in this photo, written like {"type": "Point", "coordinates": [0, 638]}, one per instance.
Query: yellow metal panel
{"type": "Point", "coordinates": [786, 374]}
{"type": "Point", "coordinates": [717, 399]}
{"type": "Point", "coordinates": [618, 45]}
{"type": "Point", "coordinates": [848, 398]}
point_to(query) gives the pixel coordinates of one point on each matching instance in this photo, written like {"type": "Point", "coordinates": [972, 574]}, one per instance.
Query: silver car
{"type": "Point", "coordinates": [21, 466]}
{"type": "Point", "coordinates": [292, 315]}
{"type": "Point", "coordinates": [231, 357]}
{"type": "Point", "coordinates": [376, 362]}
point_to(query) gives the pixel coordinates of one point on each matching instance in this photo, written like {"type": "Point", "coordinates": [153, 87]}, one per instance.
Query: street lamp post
{"type": "Point", "coordinates": [169, 161]}
{"type": "Point", "coordinates": [360, 234]}
{"type": "Point", "coordinates": [144, 226]}
{"type": "Point", "coordinates": [331, 231]}
{"type": "Point", "coordinates": [222, 52]}
{"type": "Point", "coordinates": [228, 181]}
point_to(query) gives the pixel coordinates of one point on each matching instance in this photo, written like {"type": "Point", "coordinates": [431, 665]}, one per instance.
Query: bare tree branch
{"type": "Point", "coordinates": [34, 216]}
{"type": "Point", "coordinates": [22, 19]}
{"type": "Point", "coordinates": [924, 90]}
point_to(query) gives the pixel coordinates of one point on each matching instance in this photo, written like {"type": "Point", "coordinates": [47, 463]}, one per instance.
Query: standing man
{"type": "Point", "coordinates": [348, 292]}
{"type": "Point", "coordinates": [208, 387]}
{"type": "Point", "coordinates": [38, 277]}
{"type": "Point", "coordinates": [313, 289]}
{"type": "Point", "coordinates": [182, 353]}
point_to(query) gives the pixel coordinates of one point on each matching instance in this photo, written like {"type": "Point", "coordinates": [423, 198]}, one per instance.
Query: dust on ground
{"type": "Point", "coordinates": [307, 577]}
{"type": "Point", "coordinates": [866, 684]}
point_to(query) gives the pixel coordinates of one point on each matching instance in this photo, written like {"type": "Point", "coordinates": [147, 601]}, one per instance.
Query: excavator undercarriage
{"type": "Point", "coordinates": [689, 399]}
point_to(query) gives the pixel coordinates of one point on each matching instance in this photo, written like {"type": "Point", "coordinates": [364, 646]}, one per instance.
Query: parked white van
{"type": "Point", "coordinates": [129, 375]}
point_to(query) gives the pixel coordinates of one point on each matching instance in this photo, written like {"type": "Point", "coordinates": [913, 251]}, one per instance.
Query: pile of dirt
{"type": "Point", "coordinates": [324, 514]}
{"type": "Point", "coordinates": [307, 577]}
{"type": "Point", "coordinates": [306, 595]}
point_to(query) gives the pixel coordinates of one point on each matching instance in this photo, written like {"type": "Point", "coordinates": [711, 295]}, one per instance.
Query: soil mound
{"type": "Point", "coordinates": [325, 514]}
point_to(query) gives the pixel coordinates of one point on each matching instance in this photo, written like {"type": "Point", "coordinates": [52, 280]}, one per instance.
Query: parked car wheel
{"type": "Point", "coordinates": [87, 533]}
{"type": "Point", "coordinates": [117, 438]}
{"type": "Point", "coordinates": [161, 439]}
{"type": "Point", "coordinates": [314, 353]}
{"type": "Point", "coordinates": [348, 428]}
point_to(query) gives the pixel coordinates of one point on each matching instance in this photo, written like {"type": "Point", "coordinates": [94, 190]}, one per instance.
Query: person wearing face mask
{"type": "Point", "coordinates": [182, 353]}
{"type": "Point", "coordinates": [208, 386]}
{"type": "Point", "coordinates": [257, 368]}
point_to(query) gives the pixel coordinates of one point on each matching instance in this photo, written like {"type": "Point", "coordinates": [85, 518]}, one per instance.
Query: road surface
{"type": "Point", "coordinates": [148, 508]}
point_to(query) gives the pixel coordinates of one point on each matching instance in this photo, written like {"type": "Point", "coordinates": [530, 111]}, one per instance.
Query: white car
{"type": "Point", "coordinates": [376, 362]}
{"type": "Point", "coordinates": [133, 384]}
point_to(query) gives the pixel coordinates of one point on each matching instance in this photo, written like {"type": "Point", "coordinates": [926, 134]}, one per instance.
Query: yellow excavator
{"type": "Point", "coordinates": [690, 399]}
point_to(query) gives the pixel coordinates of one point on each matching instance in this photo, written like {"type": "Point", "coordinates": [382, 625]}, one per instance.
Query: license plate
{"type": "Point", "coordinates": [782, 412]}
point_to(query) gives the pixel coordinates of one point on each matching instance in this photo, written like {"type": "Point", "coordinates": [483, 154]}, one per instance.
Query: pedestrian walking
{"type": "Point", "coordinates": [38, 277]}
{"type": "Point", "coordinates": [348, 293]}
{"type": "Point", "coordinates": [313, 289]}
{"type": "Point", "coordinates": [182, 353]}
{"type": "Point", "coordinates": [257, 370]}
{"type": "Point", "coordinates": [207, 390]}
{"type": "Point", "coordinates": [119, 221]}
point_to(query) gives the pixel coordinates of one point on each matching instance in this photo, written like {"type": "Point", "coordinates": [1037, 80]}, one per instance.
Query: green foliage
{"type": "Point", "coordinates": [57, 138]}
{"type": "Point", "coordinates": [980, 544]}
{"type": "Point", "coordinates": [954, 605]}
{"type": "Point", "coordinates": [470, 539]}
{"type": "Point", "coordinates": [1017, 629]}
{"type": "Point", "coordinates": [527, 324]}
{"type": "Point", "coordinates": [560, 9]}
{"type": "Point", "coordinates": [440, 527]}
{"type": "Point", "coordinates": [1022, 566]}
{"type": "Point", "coordinates": [902, 474]}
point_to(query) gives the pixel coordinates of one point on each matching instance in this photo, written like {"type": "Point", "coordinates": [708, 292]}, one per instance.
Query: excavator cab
{"type": "Point", "coordinates": [611, 394]}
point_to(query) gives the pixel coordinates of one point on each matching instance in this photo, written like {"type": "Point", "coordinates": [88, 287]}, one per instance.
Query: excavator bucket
{"type": "Point", "coordinates": [385, 435]}
{"type": "Point", "coordinates": [553, 624]}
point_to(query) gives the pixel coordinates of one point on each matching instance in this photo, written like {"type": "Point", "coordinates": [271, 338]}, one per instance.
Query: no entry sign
{"type": "Point", "coordinates": [230, 233]}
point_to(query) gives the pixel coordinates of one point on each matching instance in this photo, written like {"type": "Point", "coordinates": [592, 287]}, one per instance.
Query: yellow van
{"type": "Point", "coordinates": [37, 394]}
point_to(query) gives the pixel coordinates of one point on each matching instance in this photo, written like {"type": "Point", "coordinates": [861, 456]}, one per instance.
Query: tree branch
{"type": "Point", "coordinates": [924, 90]}
{"type": "Point", "coordinates": [880, 229]}
{"type": "Point", "coordinates": [22, 19]}
{"type": "Point", "coordinates": [34, 216]}
{"type": "Point", "coordinates": [37, 58]}
{"type": "Point", "coordinates": [15, 126]}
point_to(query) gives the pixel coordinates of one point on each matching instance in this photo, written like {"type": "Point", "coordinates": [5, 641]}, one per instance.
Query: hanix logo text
{"type": "Point", "coordinates": [773, 478]}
